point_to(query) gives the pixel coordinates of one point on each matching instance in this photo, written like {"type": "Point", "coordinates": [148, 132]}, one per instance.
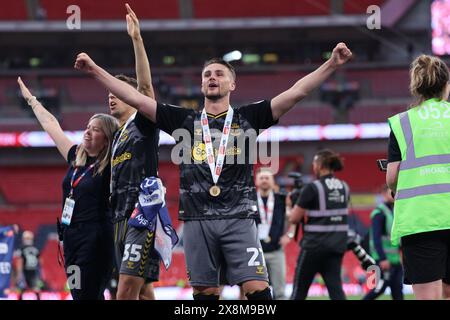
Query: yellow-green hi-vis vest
{"type": "Point", "coordinates": [422, 201]}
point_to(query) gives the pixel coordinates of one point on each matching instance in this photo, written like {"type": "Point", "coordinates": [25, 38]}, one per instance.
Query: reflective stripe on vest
{"type": "Point", "coordinates": [391, 251]}
{"type": "Point", "coordinates": [412, 162]}
{"type": "Point", "coordinates": [324, 212]}
{"type": "Point", "coordinates": [327, 213]}
{"type": "Point", "coordinates": [323, 228]}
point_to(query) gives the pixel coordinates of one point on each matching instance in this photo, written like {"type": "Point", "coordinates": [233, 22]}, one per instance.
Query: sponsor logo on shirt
{"type": "Point", "coordinates": [198, 152]}
{"type": "Point", "coordinates": [123, 157]}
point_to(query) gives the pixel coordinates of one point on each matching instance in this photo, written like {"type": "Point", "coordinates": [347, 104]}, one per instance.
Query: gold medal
{"type": "Point", "coordinates": [214, 191]}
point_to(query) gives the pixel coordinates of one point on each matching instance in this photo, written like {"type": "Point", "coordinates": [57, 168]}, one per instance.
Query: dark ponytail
{"type": "Point", "coordinates": [329, 159]}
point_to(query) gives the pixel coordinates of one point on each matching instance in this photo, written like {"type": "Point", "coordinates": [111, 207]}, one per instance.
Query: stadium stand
{"type": "Point", "coordinates": [112, 9]}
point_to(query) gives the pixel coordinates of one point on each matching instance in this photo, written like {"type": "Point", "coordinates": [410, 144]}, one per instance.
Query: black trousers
{"type": "Point", "coordinates": [327, 264]}
{"type": "Point", "coordinates": [395, 282]}
{"type": "Point", "coordinates": [89, 259]}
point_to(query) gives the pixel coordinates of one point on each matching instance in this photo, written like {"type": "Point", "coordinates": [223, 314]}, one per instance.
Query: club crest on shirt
{"type": "Point", "coordinates": [198, 151]}
{"type": "Point", "coordinates": [235, 129]}
{"type": "Point", "coordinates": [124, 136]}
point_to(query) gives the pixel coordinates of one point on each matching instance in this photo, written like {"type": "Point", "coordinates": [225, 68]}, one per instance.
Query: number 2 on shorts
{"type": "Point", "coordinates": [256, 251]}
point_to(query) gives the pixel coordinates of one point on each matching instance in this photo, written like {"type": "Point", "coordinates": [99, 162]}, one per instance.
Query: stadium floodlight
{"type": "Point", "coordinates": [232, 56]}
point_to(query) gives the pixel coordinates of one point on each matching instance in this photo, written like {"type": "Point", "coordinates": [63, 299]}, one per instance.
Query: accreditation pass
{"type": "Point", "coordinates": [68, 211]}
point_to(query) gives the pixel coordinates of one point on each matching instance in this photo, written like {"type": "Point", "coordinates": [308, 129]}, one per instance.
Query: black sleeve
{"type": "Point", "coordinates": [307, 197]}
{"type": "Point", "coordinates": [144, 124]}
{"type": "Point", "coordinates": [169, 117]}
{"type": "Point", "coordinates": [258, 114]}
{"type": "Point", "coordinates": [394, 153]}
{"type": "Point", "coordinates": [71, 155]}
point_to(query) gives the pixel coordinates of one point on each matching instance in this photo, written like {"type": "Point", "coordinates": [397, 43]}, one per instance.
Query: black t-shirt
{"type": "Point", "coordinates": [30, 255]}
{"type": "Point", "coordinates": [238, 194]}
{"type": "Point", "coordinates": [308, 197]}
{"type": "Point", "coordinates": [394, 153]}
{"type": "Point", "coordinates": [135, 158]}
{"type": "Point", "coordinates": [91, 195]}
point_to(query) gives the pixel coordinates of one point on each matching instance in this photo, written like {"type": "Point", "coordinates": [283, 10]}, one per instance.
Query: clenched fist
{"type": "Point", "coordinates": [341, 54]}
{"type": "Point", "coordinates": [84, 63]}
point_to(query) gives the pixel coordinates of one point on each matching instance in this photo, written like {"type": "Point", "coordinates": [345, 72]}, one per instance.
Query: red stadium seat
{"type": "Point", "coordinates": [255, 8]}
{"type": "Point", "coordinates": [360, 6]}
{"type": "Point", "coordinates": [384, 83]}
{"type": "Point", "coordinates": [28, 185]}
{"type": "Point", "coordinates": [378, 114]}
{"type": "Point", "coordinates": [14, 10]}
{"type": "Point", "coordinates": [81, 91]}
{"type": "Point", "coordinates": [112, 9]}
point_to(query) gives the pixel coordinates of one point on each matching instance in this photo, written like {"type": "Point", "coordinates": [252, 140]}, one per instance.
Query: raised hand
{"type": "Point", "coordinates": [23, 88]}
{"type": "Point", "coordinates": [84, 63]}
{"type": "Point", "coordinates": [341, 54]}
{"type": "Point", "coordinates": [132, 23]}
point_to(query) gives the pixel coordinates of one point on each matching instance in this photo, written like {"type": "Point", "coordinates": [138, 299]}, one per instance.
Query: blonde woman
{"type": "Point", "coordinates": [87, 229]}
{"type": "Point", "coordinates": [418, 172]}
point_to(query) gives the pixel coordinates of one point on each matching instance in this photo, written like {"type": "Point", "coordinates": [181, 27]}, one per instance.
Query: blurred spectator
{"type": "Point", "coordinates": [29, 264]}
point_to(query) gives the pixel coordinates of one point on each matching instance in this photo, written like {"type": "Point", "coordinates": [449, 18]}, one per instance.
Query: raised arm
{"type": "Point", "coordinates": [48, 122]}
{"type": "Point", "coordinates": [120, 89]}
{"type": "Point", "coordinates": [287, 99]}
{"type": "Point", "coordinates": [143, 74]}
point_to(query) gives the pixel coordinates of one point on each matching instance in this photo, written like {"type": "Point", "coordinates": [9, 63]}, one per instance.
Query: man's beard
{"type": "Point", "coordinates": [214, 97]}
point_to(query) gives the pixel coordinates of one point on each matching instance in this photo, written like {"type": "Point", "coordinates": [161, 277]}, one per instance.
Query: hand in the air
{"type": "Point", "coordinates": [132, 23]}
{"type": "Point", "coordinates": [84, 63]}
{"type": "Point", "coordinates": [341, 54]}
{"type": "Point", "coordinates": [23, 88]}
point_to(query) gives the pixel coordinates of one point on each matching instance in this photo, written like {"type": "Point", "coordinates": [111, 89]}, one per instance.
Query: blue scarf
{"type": "Point", "coordinates": [151, 213]}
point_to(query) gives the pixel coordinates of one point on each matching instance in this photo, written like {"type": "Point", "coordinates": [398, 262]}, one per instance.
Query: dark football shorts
{"type": "Point", "coordinates": [223, 251]}
{"type": "Point", "coordinates": [135, 254]}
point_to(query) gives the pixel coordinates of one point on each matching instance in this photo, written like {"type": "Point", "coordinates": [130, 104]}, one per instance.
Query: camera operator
{"type": "Point", "coordinates": [271, 230]}
{"type": "Point", "coordinates": [322, 207]}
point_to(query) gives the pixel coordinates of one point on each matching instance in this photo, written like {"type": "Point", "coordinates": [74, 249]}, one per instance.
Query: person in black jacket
{"type": "Point", "coordinates": [271, 230]}
{"type": "Point", "coordinates": [322, 209]}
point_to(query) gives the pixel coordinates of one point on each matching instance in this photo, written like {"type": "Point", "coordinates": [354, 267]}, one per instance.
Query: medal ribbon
{"type": "Point", "coordinates": [216, 166]}
{"type": "Point", "coordinates": [266, 216]}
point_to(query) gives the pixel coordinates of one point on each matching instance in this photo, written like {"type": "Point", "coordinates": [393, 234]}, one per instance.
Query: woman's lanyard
{"type": "Point", "coordinates": [73, 184]}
